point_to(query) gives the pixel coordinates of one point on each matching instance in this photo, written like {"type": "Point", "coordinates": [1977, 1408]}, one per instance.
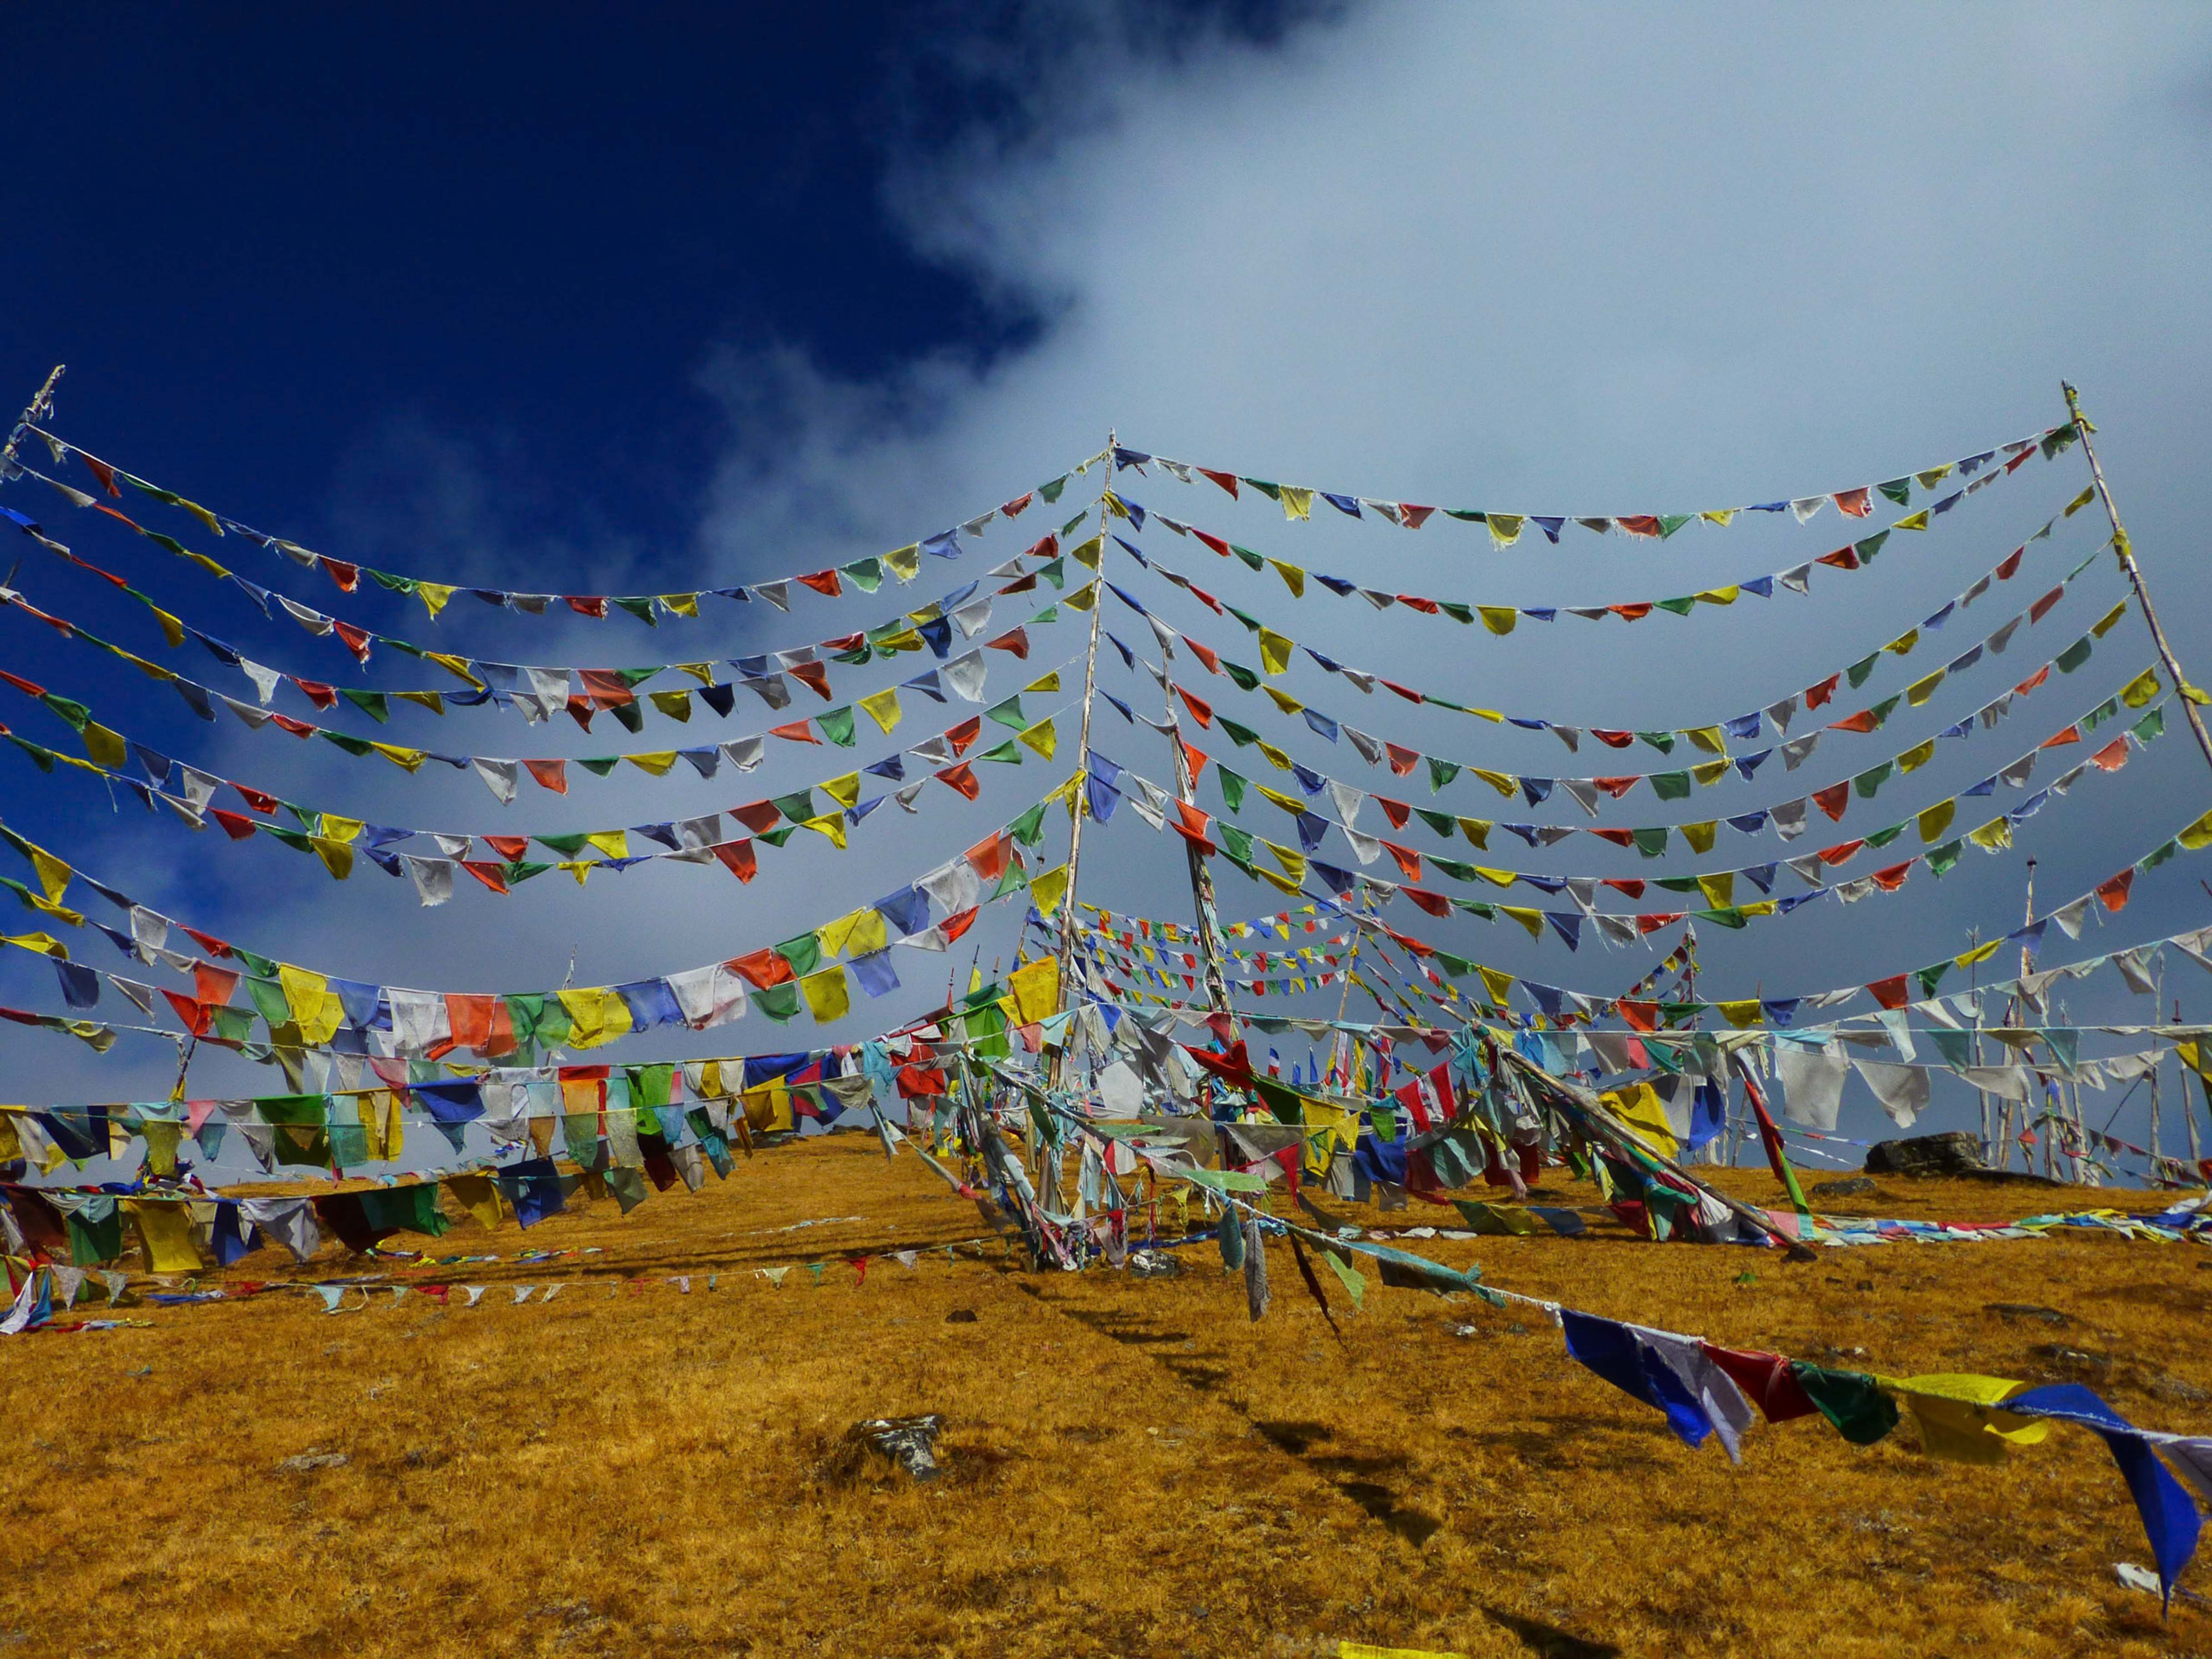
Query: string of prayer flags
{"type": "Point", "coordinates": [1507, 528]}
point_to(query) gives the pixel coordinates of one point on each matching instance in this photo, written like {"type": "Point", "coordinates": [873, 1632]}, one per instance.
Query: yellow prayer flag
{"type": "Point", "coordinates": [457, 666]}
{"type": "Point", "coordinates": [1083, 598]}
{"type": "Point", "coordinates": [1504, 782]}
{"type": "Point", "coordinates": [1041, 738]}
{"type": "Point", "coordinates": [883, 708]}
{"type": "Point", "coordinates": [1903, 642]}
{"type": "Point", "coordinates": [1719, 515]}
{"type": "Point", "coordinates": [1034, 990]}
{"type": "Point", "coordinates": [1276, 757]}
{"type": "Point", "coordinates": [53, 875]}
{"type": "Point", "coordinates": [1047, 888]}
{"type": "Point", "coordinates": [2198, 834]}
{"type": "Point", "coordinates": [677, 705]}
{"type": "Point", "coordinates": [1296, 503]}
{"type": "Point", "coordinates": [831, 825]}
{"type": "Point", "coordinates": [615, 843]}
{"type": "Point", "coordinates": [1504, 527]}
{"type": "Point", "coordinates": [579, 868]}
{"type": "Point", "coordinates": [429, 700]}
{"type": "Point", "coordinates": [2088, 495]}
{"type": "Point", "coordinates": [904, 562]}
{"type": "Point", "coordinates": [1281, 884]}
{"type": "Point", "coordinates": [1718, 596]}
{"type": "Point", "coordinates": [172, 629]}
{"type": "Point", "coordinates": [2105, 624]}
{"type": "Point", "coordinates": [1937, 819]}
{"type": "Point", "coordinates": [1912, 521]}
{"type": "Point", "coordinates": [844, 791]}
{"type": "Point", "coordinates": [1498, 619]}
{"type": "Point", "coordinates": [407, 759]}
{"type": "Point", "coordinates": [1700, 835]}
{"type": "Point", "coordinates": [336, 856]}
{"type": "Point", "coordinates": [1638, 1106]}
{"type": "Point", "coordinates": [702, 671]}
{"type": "Point", "coordinates": [435, 596]}
{"type": "Point", "coordinates": [336, 828]}
{"type": "Point", "coordinates": [1048, 681]}
{"type": "Point", "coordinates": [1088, 554]}
{"type": "Point", "coordinates": [1742, 1015]}
{"type": "Point", "coordinates": [1920, 690]}
{"type": "Point", "coordinates": [2141, 689]}
{"type": "Point", "coordinates": [1719, 888]}
{"type": "Point", "coordinates": [680, 604]}
{"type": "Point", "coordinates": [314, 1009]}
{"type": "Point", "coordinates": [1709, 739]}
{"type": "Point", "coordinates": [1979, 953]}
{"type": "Point", "coordinates": [1916, 756]}
{"type": "Point", "coordinates": [477, 1195]}
{"type": "Point", "coordinates": [1283, 700]}
{"type": "Point", "coordinates": [1275, 651]}
{"type": "Point", "coordinates": [597, 1015]}
{"type": "Point", "coordinates": [45, 943]}
{"type": "Point", "coordinates": [1293, 578]}
{"type": "Point", "coordinates": [1495, 983]}
{"type": "Point", "coordinates": [165, 1233]}
{"type": "Point", "coordinates": [1711, 772]}
{"type": "Point", "coordinates": [1496, 878]}
{"type": "Point", "coordinates": [105, 747]}
{"type": "Point", "coordinates": [1993, 836]}
{"type": "Point", "coordinates": [857, 934]}
{"type": "Point", "coordinates": [654, 762]}
{"type": "Point", "coordinates": [1532, 920]}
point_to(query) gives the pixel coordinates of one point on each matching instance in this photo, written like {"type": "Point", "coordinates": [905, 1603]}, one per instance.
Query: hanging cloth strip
{"type": "Point", "coordinates": [966, 676]}
{"type": "Point", "coordinates": [866, 573]}
{"type": "Point", "coordinates": [1502, 619]}
{"type": "Point", "coordinates": [500, 864]}
{"type": "Point", "coordinates": [1931, 821]}
{"type": "Point", "coordinates": [1276, 651]}
{"type": "Point", "coordinates": [1788, 818]}
{"type": "Point", "coordinates": [1506, 528]}
{"type": "Point", "coordinates": [540, 692]}
{"type": "Point", "coordinates": [315, 1006]}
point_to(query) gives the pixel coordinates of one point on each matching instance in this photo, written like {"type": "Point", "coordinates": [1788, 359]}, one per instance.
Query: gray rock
{"type": "Point", "coordinates": [1953, 1152]}
{"type": "Point", "coordinates": [311, 1460]}
{"type": "Point", "coordinates": [1849, 1188]}
{"type": "Point", "coordinates": [2011, 1312]}
{"type": "Point", "coordinates": [908, 1442]}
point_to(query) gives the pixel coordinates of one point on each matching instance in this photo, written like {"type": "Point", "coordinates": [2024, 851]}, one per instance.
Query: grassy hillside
{"type": "Point", "coordinates": [1131, 1466]}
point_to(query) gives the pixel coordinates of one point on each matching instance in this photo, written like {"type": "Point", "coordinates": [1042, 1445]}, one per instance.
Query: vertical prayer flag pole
{"type": "Point", "coordinates": [2190, 694]}
{"type": "Point", "coordinates": [40, 407]}
{"type": "Point", "coordinates": [1202, 873]}
{"type": "Point", "coordinates": [1081, 802]}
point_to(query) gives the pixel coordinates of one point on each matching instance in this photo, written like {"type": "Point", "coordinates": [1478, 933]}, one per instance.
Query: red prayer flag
{"type": "Point", "coordinates": [1833, 799]}
{"type": "Point", "coordinates": [1403, 761]}
{"type": "Point", "coordinates": [822, 581]}
{"type": "Point", "coordinates": [347, 576]}
{"type": "Point", "coordinates": [1817, 694]}
{"type": "Point", "coordinates": [550, 774]}
{"type": "Point", "coordinates": [737, 857]}
{"type": "Point", "coordinates": [961, 777]}
{"type": "Point", "coordinates": [236, 825]}
{"type": "Point", "coordinates": [2113, 893]}
{"type": "Point", "coordinates": [964, 733]}
{"type": "Point", "coordinates": [814, 676]}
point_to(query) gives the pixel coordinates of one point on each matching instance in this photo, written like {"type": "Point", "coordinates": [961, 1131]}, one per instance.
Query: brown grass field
{"type": "Point", "coordinates": [1132, 1467]}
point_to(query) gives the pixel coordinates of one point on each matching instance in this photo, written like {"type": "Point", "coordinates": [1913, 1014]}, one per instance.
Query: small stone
{"type": "Point", "coordinates": [1849, 1188]}
{"type": "Point", "coordinates": [961, 1317]}
{"type": "Point", "coordinates": [2012, 1312]}
{"type": "Point", "coordinates": [311, 1460]}
{"type": "Point", "coordinates": [1153, 1264]}
{"type": "Point", "coordinates": [908, 1442]}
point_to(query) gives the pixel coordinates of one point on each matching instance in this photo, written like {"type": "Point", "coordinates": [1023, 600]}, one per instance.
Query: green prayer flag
{"type": "Point", "coordinates": [1940, 861]}
{"type": "Point", "coordinates": [598, 765]}
{"type": "Point", "coordinates": [1029, 828]}
{"type": "Point", "coordinates": [1440, 772]}
{"type": "Point", "coordinates": [1242, 736]}
{"type": "Point", "coordinates": [1671, 785]}
{"type": "Point", "coordinates": [1008, 712]}
{"type": "Point", "coordinates": [778, 1002]}
{"type": "Point", "coordinates": [836, 724]}
{"type": "Point", "coordinates": [1662, 741]}
{"type": "Point", "coordinates": [1681, 607]}
{"type": "Point", "coordinates": [797, 806]}
{"type": "Point", "coordinates": [1232, 787]}
{"type": "Point", "coordinates": [1872, 779]}
{"type": "Point", "coordinates": [802, 952]}
{"type": "Point", "coordinates": [640, 609]}
{"type": "Point", "coordinates": [1246, 680]}
{"type": "Point", "coordinates": [1857, 672]}
{"type": "Point", "coordinates": [2075, 654]}
{"type": "Point", "coordinates": [1651, 842]}
{"type": "Point", "coordinates": [1851, 1400]}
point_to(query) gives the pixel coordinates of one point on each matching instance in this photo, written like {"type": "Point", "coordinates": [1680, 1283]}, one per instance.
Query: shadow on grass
{"type": "Point", "coordinates": [1548, 1640]}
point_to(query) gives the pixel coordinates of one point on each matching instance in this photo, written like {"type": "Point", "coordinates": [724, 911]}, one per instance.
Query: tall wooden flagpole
{"type": "Point", "coordinates": [1083, 762]}
{"type": "Point", "coordinates": [2126, 551]}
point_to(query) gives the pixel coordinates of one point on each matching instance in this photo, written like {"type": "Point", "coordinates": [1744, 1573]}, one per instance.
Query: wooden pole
{"type": "Point", "coordinates": [1082, 766]}
{"type": "Point", "coordinates": [2125, 550]}
{"type": "Point", "coordinates": [40, 407]}
{"type": "Point", "coordinates": [1202, 873]}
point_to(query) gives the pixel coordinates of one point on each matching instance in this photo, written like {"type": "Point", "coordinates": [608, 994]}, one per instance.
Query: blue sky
{"type": "Point", "coordinates": [690, 302]}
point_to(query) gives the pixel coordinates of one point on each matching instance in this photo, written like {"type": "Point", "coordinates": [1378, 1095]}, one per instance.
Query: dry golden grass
{"type": "Point", "coordinates": [1132, 1467]}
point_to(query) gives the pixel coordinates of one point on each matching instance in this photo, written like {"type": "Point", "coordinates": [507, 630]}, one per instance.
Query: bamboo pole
{"type": "Point", "coordinates": [1202, 873]}
{"type": "Point", "coordinates": [2125, 550]}
{"type": "Point", "coordinates": [1082, 765]}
